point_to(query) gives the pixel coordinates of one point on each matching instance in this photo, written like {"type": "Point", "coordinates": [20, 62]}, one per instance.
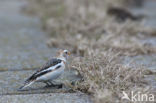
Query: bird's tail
{"type": "Point", "coordinates": [26, 84]}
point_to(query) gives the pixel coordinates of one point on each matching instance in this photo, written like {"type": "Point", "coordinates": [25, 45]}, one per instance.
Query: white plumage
{"type": "Point", "coordinates": [50, 71]}
{"type": "Point", "coordinates": [53, 74]}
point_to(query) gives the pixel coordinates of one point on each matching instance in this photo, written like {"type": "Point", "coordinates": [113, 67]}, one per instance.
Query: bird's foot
{"type": "Point", "coordinates": [50, 84]}
{"type": "Point", "coordinates": [59, 86]}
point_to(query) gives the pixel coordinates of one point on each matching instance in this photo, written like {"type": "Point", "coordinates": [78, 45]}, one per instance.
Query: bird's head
{"type": "Point", "coordinates": [63, 54]}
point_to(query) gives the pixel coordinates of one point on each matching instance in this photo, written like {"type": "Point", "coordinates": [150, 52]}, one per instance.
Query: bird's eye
{"type": "Point", "coordinates": [66, 52]}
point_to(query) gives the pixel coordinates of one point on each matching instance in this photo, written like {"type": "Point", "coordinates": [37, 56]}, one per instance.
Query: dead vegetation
{"type": "Point", "coordinates": [80, 24]}
{"type": "Point", "coordinates": [84, 27]}
{"type": "Point", "coordinates": [122, 14]}
{"type": "Point", "coordinates": [106, 78]}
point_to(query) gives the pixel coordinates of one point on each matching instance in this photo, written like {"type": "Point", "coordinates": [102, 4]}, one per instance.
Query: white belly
{"type": "Point", "coordinates": [51, 75]}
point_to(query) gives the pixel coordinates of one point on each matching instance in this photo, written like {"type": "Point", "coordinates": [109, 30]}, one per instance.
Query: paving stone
{"type": "Point", "coordinates": [148, 61]}
{"type": "Point", "coordinates": [148, 10]}
{"type": "Point", "coordinates": [12, 80]}
{"type": "Point", "coordinates": [22, 43]}
{"type": "Point", "coordinates": [46, 98]}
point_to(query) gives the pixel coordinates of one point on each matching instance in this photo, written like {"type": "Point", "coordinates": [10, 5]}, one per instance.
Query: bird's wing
{"type": "Point", "coordinates": [50, 63]}
{"type": "Point", "coordinates": [44, 69]}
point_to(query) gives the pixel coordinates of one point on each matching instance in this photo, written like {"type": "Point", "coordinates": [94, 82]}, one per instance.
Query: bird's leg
{"type": "Point", "coordinates": [51, 84]}
{"type": "Point", "coordinates": [47, 84]}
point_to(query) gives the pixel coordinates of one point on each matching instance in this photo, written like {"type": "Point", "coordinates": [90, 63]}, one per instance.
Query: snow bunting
{"type": "Point", "coordinates": [50, 71]}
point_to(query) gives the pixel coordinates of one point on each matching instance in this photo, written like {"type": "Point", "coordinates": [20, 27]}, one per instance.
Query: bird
{"type": "Point", "coordinates": [49, 71]}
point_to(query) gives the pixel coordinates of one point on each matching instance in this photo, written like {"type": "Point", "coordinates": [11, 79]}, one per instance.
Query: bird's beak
{"type": "Point", "coordinates": [69, 53]}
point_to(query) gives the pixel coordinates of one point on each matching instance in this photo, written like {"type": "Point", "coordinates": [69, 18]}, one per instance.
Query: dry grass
{"type": "Point", "coordinates": [84, 27]}
{"type": "Point", "coordinates": [85, 23]}
{"type": "Point", "coordinates": [106, 78]}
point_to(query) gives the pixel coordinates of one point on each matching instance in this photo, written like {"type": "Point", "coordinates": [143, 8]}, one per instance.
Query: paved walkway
{"type": "Point", "coordinates": [23, 48]}
{"type": "Point", "coordinates": [147, 60]}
